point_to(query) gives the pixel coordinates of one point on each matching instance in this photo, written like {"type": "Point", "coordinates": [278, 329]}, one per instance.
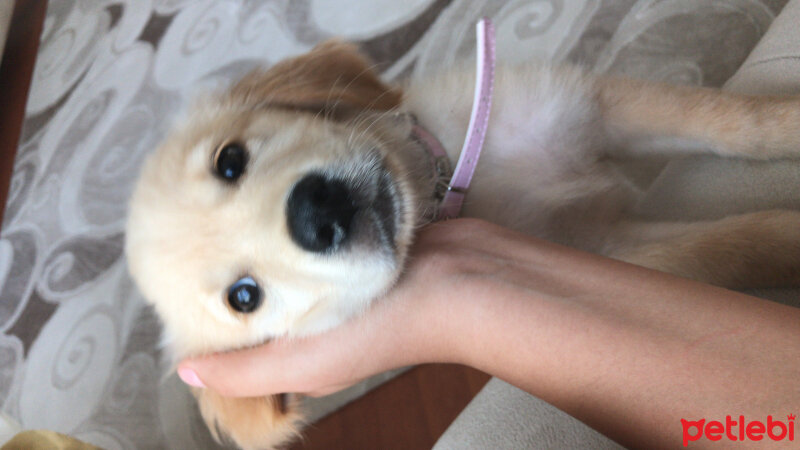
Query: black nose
{"type": "Point", "coordinates": [319, 213]}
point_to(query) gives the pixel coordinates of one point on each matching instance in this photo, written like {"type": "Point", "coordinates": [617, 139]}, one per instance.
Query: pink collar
{"type": "Point", "coordinates": [478, 123]}
{"type": "Point", "coordinates": [456, 188]}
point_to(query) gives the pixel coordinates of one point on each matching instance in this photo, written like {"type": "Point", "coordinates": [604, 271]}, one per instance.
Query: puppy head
{"type": "Point", "coordinates": [281, 206]}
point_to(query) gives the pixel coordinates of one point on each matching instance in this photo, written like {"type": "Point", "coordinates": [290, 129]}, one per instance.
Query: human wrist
{"type": "Point", "coordinates": [447, 314]}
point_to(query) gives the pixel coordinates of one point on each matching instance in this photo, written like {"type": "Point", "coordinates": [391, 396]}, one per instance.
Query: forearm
{"type": "Point", "coordinates": [627, 350]}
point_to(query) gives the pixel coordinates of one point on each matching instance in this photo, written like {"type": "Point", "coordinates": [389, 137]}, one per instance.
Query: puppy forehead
{"type": "Point", "coordinates": [298, 139]}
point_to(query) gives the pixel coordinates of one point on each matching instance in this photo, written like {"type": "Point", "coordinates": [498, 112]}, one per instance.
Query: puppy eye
{"type": "Point", "coordinates": [244, 296]}
{"type": "Point", "coordinates": [230, 161]}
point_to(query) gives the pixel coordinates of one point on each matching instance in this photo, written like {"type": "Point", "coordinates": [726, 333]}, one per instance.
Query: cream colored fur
{"type": "Point", "coordinates": [548, 169]}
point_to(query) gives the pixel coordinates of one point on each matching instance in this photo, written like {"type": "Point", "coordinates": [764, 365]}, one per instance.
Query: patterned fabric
{"type": "Point", "coordinates": [79, 350]}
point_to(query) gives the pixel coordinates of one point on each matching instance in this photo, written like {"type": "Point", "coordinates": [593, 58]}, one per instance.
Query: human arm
{"type": "Point", "coordinates": [627, 350]}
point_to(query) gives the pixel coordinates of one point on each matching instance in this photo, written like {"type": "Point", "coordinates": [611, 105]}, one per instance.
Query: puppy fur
{"type": "Point", "coordinates": [548, 169]}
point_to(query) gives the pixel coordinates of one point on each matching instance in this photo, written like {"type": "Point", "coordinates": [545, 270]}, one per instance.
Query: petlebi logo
{"type": "Point", "coordinates": [739, 429]}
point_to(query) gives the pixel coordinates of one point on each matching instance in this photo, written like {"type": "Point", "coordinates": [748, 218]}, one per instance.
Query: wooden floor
{"type": "Point", "coordinates": [16, 70]}
{"type": "Point", "coordinates": [409, 412]}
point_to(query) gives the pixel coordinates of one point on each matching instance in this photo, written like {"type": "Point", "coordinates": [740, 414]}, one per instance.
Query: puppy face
{"type": "Point", "coordinates": [281, 207]}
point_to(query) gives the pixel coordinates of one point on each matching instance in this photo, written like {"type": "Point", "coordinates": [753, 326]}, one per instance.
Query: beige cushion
{"type": "Point", "coordinates": [774, 65]}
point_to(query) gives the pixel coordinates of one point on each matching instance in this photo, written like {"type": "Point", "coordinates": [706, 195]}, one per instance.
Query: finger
{"type": "Point", "coordinates": [337, 357]}
{"type": "Point", "coordinates": [322, 392]}
{"type": "Point", "coordinates": [470, 234]}
{"type": "Point", "coordinates": [478, 237]}
{"type": "Point", "coordinates": [276, 367]}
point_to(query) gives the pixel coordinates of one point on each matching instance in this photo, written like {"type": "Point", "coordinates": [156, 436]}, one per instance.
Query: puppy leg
{"type": "Point", "coordinates": [251, 423]}
{"type": "Point", "coordinates": [745, 251]}
{"type": "Point", "coordinates": [703, 119]}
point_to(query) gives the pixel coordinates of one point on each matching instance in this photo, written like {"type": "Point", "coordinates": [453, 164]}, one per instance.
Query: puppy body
{"type": "Point", "coordinates": [542, 169]}
{"type": "Point", "coordinates": [547, 169]}
{"type": "Point", "coordinates": [550, 165]}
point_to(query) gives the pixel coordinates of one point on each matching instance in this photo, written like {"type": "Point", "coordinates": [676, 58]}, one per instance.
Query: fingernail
{"type": "Point", "coordinates": [190, 377]}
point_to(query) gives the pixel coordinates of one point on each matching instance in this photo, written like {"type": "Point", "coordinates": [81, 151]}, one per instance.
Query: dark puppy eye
{"type": "Point", "coordinates": [230, 161]}
{"type": "Point", "coordinates": [244, 296]}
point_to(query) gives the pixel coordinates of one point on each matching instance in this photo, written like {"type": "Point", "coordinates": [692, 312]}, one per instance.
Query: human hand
{"type": "Point", "coordinates": [411, 325]}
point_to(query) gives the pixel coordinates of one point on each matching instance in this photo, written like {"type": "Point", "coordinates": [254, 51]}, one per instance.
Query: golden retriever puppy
{"type": "Point", "coordinates": [287, 203]}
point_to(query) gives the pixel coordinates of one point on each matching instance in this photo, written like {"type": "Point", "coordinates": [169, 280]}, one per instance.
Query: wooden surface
{"type": "Point", "coordinates": [15, 79]}
{"type": "Point", "coordinates": [409, 412]}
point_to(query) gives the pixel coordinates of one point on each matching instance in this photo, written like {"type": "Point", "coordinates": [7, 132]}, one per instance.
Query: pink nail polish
{"type": "Point", "coordinates": [190, 377]}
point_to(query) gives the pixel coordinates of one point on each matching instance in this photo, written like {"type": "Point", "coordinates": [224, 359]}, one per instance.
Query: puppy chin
{"type": "Point", "coordinates": [371, 273]}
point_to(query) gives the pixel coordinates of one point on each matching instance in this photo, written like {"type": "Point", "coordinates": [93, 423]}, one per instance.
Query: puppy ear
{"type": "Point", "coordinates": [333, 78]}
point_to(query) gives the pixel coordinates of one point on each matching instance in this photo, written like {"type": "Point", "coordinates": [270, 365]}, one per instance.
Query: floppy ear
{"type": "Point", "coordinates": [250, 422]}
{"type": "Point", "coordinates": [333, 78]}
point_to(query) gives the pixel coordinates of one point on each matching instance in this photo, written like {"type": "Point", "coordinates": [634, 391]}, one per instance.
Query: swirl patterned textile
{"type": "Point", "coordinates": [79, 351]}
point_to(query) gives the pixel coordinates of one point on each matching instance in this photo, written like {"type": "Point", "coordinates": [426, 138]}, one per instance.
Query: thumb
{"type": "Point", "coordinates": [263, 370]}
{"type": "Point", "coordinates": [363, 346]}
